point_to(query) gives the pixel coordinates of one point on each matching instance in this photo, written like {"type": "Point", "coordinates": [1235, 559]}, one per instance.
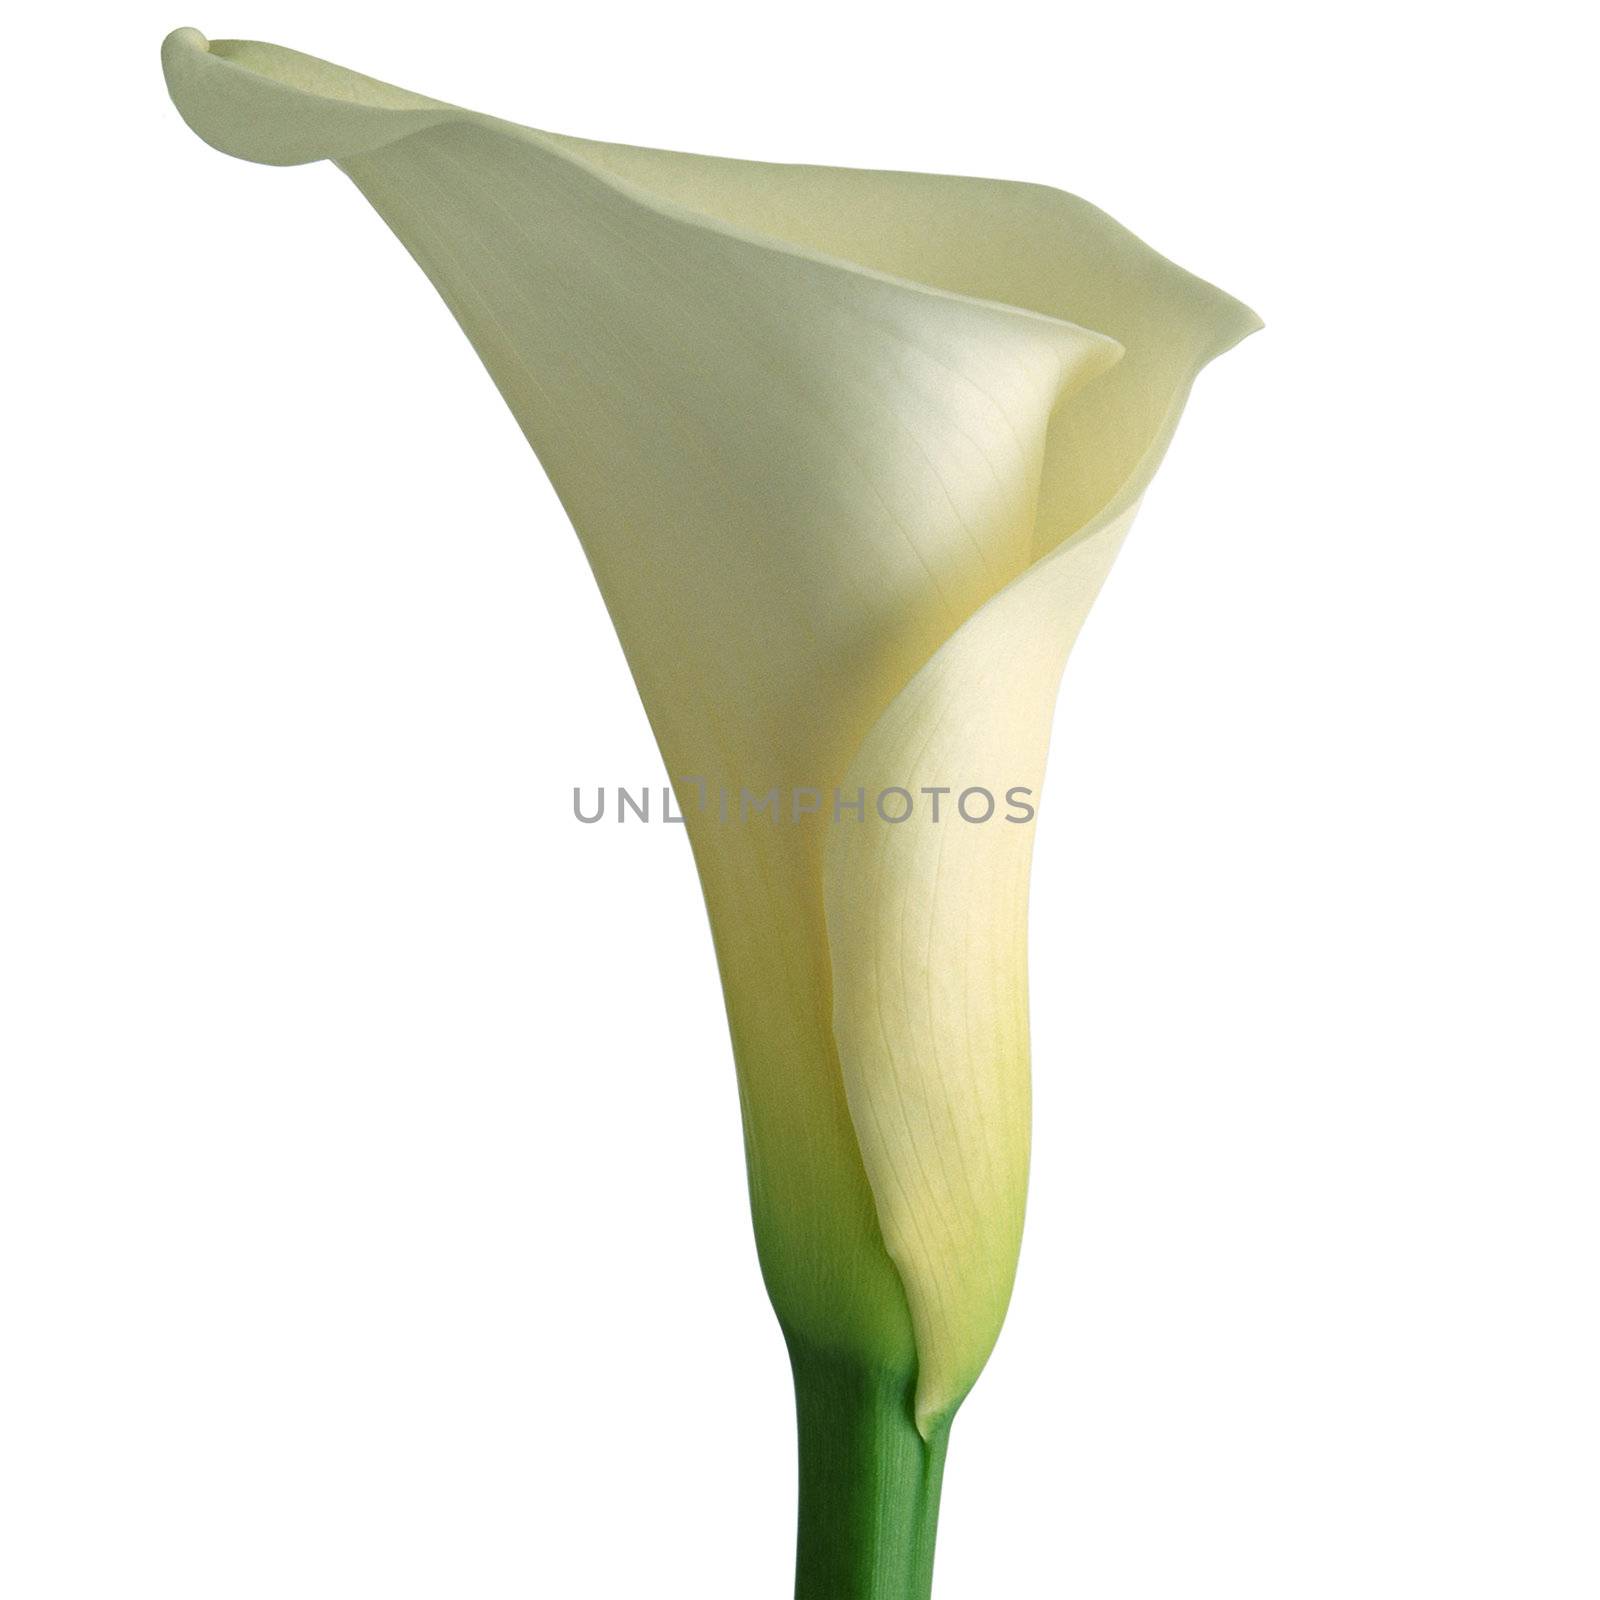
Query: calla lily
{"type": "Point", "coordinates": [850, 454]}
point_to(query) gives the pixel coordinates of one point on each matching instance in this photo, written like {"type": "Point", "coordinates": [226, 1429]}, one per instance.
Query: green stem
{"type": "Point", "coordinates": [869, 1482]}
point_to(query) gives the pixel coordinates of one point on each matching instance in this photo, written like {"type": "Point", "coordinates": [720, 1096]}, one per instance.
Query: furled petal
{"type": "Point", "coordinates": [927, 924]}
{"type": "Point", "coordinates": [820, 433]}
{"type": "Point", "coordinates": [927, 920]}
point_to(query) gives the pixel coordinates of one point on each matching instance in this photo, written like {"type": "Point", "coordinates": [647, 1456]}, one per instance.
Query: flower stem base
{"type": "Point", "coordinates": [869, 1482]}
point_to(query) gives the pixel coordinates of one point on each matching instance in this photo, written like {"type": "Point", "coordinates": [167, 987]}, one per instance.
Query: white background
{"type": "Point", "coordinates": [372, 1199]}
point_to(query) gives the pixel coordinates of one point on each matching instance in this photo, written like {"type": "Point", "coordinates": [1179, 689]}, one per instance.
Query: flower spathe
{"type": "Point", "coordinates": [850, 453]}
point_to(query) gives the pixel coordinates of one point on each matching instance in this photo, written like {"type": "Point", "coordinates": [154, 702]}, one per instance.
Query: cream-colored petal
{"type": "Point", "coordinates": [816, 430]}
{"type": "Point", "coordinates": [927, 924]}
{"type": "Point", "coordinates": [793, 478]}
{"type": "Point", "coordinates": [927, 920]}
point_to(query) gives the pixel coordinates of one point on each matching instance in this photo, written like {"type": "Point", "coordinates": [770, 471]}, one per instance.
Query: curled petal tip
{"type": "Point", "coordinates": [263, 103]}
{"type": "Point", "coordinates": [1239, 327]}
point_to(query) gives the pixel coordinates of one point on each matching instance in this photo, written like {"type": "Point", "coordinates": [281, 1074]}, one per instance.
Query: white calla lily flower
{"type": "Point", "coordinates": [850, 454]}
